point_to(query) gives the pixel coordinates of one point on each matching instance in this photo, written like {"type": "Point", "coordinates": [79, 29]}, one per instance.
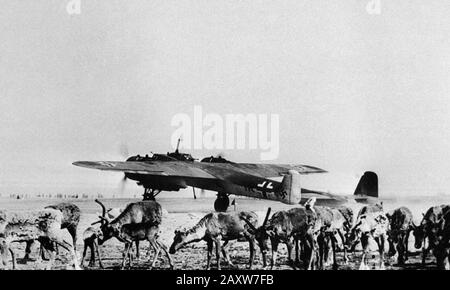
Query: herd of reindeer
{"type": "Point", "coordinates": [315, 233]}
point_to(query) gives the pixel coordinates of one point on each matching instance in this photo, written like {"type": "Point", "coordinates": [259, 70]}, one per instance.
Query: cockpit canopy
{"type": "Point", "coordinates": [173, 156]}
{"type": "Point", "coordinates": [180, 156]}
{"type": "Point", "coordinates": [218, 159]}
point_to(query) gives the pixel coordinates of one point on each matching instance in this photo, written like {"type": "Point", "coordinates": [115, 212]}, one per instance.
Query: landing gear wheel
{"type": "Point", "coordinates": [222, 202]}
{"type": "Point", "coordinates": [149, 194]}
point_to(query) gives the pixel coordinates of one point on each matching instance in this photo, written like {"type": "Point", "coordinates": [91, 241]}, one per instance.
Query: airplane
{"type": "Point", "coordinates": [174, 171]}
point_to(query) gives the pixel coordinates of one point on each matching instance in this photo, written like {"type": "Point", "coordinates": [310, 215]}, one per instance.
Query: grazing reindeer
{"type": "Point", "coordinates": [400, 226]}
{"type": "Point", "coordinates": [215, 227]}
{"type": "Point", "coordinates": [333, 222]}
{"type": "Point", "coordinates": [142, 231]}
{"type": "Point", "coordinates": [44, 226]}
{"type": "Point", "coordinates": [370, 208]}
{"type": "Point", "coordinates": [428, 229]}
{"type": "Point", "coordinates": [148, 213]}
{"type": "Point", "coordinates": [347, 213]}
{"type": "Point", "coordinates": [287, 227]}
{"type": "Point", "coordinates": [71, 218]}
{"type": "Point", "coordinates": [135, 214]}
{"type": "Point", "coordinates": [369, 225]}
{"type": "Point", "coordinates": [92, 235]}
{"type": "Point", "coordinates": [90, 238]}
{"type": "Point", "coordinates": [442, 249]}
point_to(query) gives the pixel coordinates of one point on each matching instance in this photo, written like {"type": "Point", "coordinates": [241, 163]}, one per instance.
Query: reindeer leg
{"type": "Point", "coordinates": [73, 233]}
{"type": "Point", "coordinates": [251, 242]}
{"type": "Point", "coordinates": [321, 244]}
{"type": "Point", "coordinates": [264, 258]}
{"type": "Point", "coordinates": [164, 248]}
{"type": "Point", "coordinates": [225, 253]}
{"type": "Point", "coordinates": [400, 251]}
{"type": "Point", "coordinates": [125, 254]}
{"type": "Point", "coordinates": [84, 254]}
{"type": "Point", "coordinates": [28, 250]}
{"type": "Point", "coordinates": [130, 256]}
{"type": "Point", "coordinates": [333, 248]}
{"type": "Point", "coordinates": [157, 251]}
{"type": "Point", "coordinates": [297, 251]}
{"type": "Point", "coordinates": [58, 241]}
{"type": "Point", "coordinates": [98, 254]}
{"type": "Point", "coordinates": [425, 250]}
{"type": "Point", "coordinates": [310, 250]}
{"type": "Point", "coordinates": [342, 236]}
{"type": "Point", "coordinates": [92, 249]}
{"type": "Point", "coordinates": [289, 252]}
{"type": "Point", "coordinates": [137, 250]}
{"type": "Point", "coordinates": [302, 251]}
{"type": "Point", "coordinates": [218, 250]}
{"type": "Point", "coordinates": [274, 243]}
{"type": "Point", "coordinates": [365, 244]}
{"type": "Point", "coordinates": [326, 250]}
{"type": "Point", "coordinates": [51, 259]}
{"type": "Point", "coordinates": [210, 247]}
{"type": "Point", "coordinates": [13, 257]}
{"type": "Point", "coordinates": [406, 246]}
{"type": "Point", "coordinates": [50, 248]}
{"type": "Point", "coordinates": [382, 241]}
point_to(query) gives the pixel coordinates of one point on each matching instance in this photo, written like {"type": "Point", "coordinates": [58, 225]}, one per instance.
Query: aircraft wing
{"type": "Point", "coordinates": [166, 168]}
{"type": "Point", "coordinates": [181, 168]}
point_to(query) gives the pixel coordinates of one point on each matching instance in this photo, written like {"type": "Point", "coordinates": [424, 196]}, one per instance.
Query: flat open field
{"type": "Point", "coordinates": [185, 212]}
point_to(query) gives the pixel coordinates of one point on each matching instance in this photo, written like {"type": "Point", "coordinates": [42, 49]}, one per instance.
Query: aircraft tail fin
{"type": "Point", "coordinates": [367, 185]}
{"type": "Point", "coordinates": [291, 188]}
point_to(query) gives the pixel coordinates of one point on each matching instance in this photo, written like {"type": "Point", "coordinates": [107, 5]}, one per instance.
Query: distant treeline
{"type": "Point", "coordinates": [56, 195]}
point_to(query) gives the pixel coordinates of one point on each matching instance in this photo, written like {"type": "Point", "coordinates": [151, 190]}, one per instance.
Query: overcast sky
{"type": "Point", "coordinates": [354, 91]}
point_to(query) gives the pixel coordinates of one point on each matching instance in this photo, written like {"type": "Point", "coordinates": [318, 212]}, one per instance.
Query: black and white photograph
{"type": "Point", "coordinates": [192, 136]}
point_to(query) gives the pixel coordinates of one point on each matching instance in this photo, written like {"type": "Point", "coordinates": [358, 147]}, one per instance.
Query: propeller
{"type": "Point", "coordinates": [125, 153]}
{"type": "Point", "coordinates": [122, 184]}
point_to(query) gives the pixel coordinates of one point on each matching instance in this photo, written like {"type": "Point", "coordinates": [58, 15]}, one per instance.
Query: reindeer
{"type": "Point", "coordinates": [140, 219]}
{"type": "Point", "coordinates": [329, 222]}
{"type": "Point", "coordinates": [287, 227]}
{"type": "Point", "coordinates": [44, 226]}
{"type": "Point", "coordinates": [370, 224]}
{"type": "Point", "coordinates": [90, 238]}
{"type": "Point", "coordinates": [215, 227]}
{"type": "Point", "coordinates": [333, 223]}
{"type": "Point", "coordinates": [71, 218]}
{"type": "Point", "coordinates": [401, 224]}
{"type": "Point", "coordinates": [347, 213]}
{"type": "Point", "coordinates": [142, 231]}
{"type": "Point", "coordinates": [442, 249]}
{"type": "Point", "coordinates": [370, 208]}
{"type": "Point", "coordinates": [428, 229]}
{"type": "Point", "coordinates": [111, 214]}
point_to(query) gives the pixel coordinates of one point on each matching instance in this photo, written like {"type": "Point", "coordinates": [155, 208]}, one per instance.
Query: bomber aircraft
{"type": "Point", "coordinates": [174, 171]}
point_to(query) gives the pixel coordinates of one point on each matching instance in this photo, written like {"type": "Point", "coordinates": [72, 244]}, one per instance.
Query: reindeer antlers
{"type": "Point", "coordinates": [102, 221]}
{"type": "Point", "coordinates": [103, 207]}
{"type": "Point", "coordinates": [249, 224]}
{"type": "Point", "coordinates": [267, 216]}
{"type": "Point", "coordinates": [103, 218]}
